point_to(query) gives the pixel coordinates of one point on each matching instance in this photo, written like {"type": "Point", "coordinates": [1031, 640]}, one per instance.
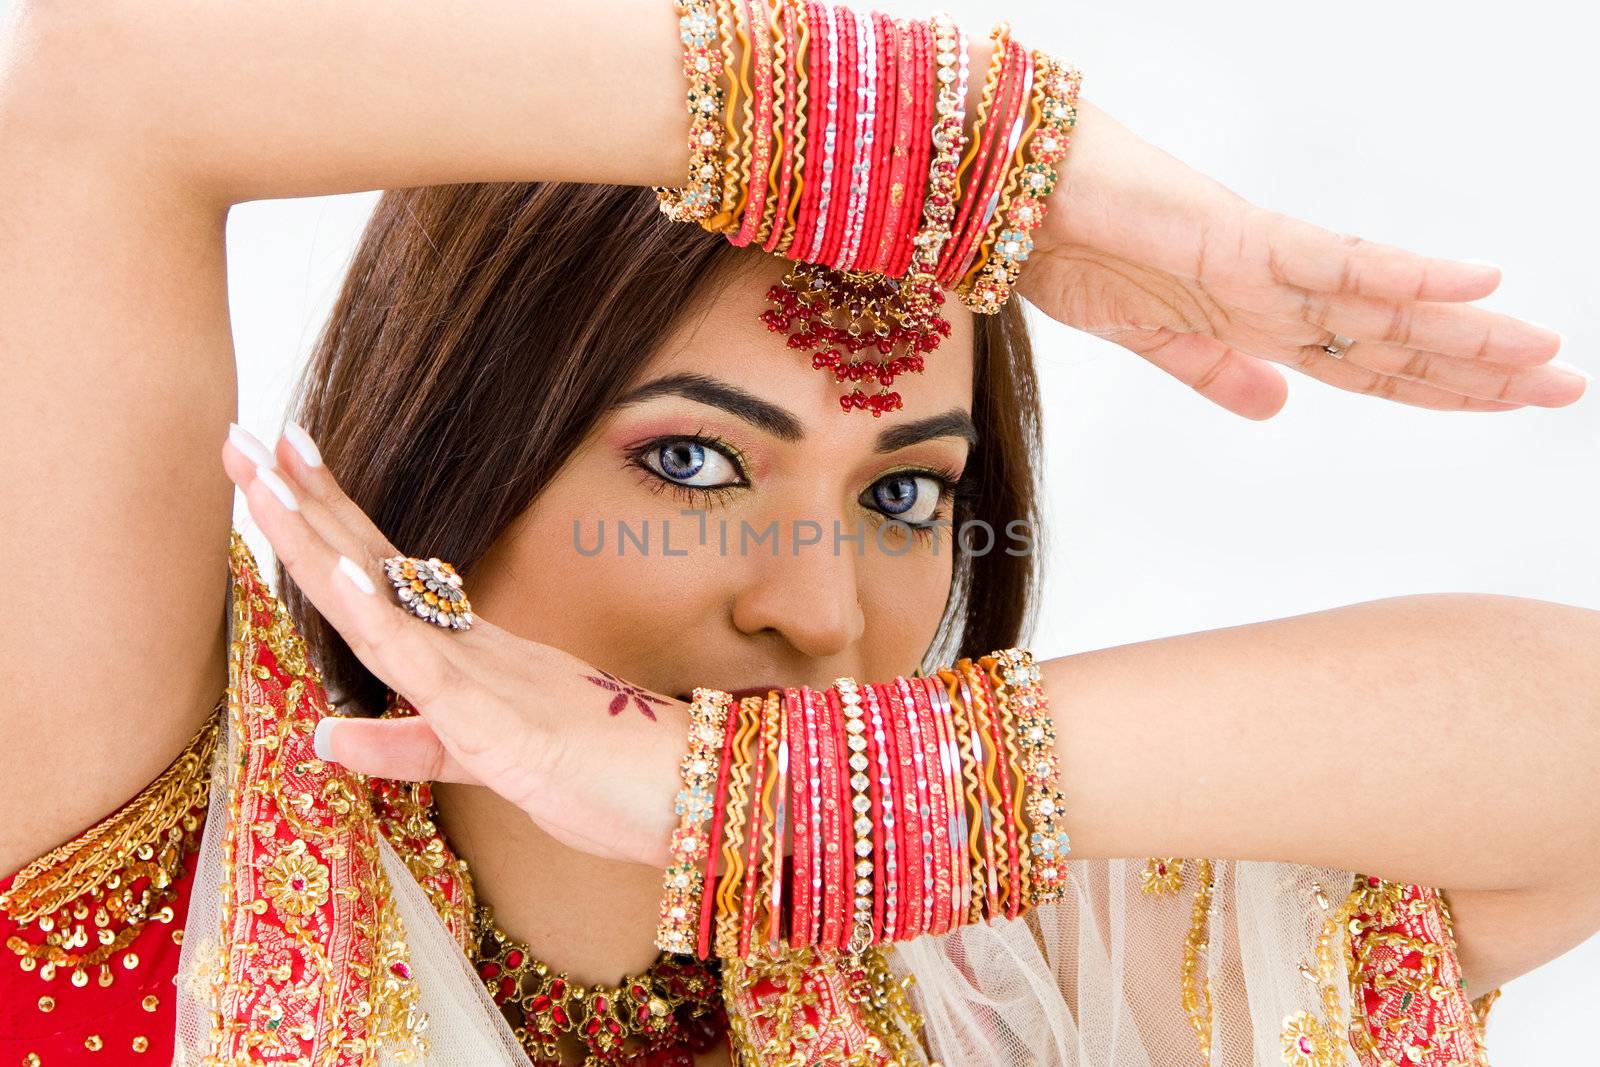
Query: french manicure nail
{"type": "Point", "coordinates": [302, 443]}
{"type": "Point", "coordinates": [1563, 365]}
{"type": "Point", "coordinates": [358, 577]}
{"type": "Point", "coordinates": [322, 740]}
{"type": "Point", "coordinates": [1484, 263]}
{"type": "Point", "coordinates": [249, 444]}
{"type": "Point", "coordinates": [279, 488]}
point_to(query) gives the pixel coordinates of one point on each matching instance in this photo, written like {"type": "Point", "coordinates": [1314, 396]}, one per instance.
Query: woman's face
{"type": "Point", "coordinates": [728, 525]}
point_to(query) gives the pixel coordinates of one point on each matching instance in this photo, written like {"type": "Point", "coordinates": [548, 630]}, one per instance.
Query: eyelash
{"type": "Point", "coordinates": [952, 489]}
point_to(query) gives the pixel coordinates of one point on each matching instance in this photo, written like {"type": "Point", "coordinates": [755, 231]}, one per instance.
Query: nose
{"type": "Point", "coordinates": [804, 592]}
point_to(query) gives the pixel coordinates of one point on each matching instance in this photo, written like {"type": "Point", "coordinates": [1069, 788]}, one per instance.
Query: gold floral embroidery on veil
{"type": "Point", "coordinates": [311, 965]}
{"type": "Point", "coordinates": [1390, 947]}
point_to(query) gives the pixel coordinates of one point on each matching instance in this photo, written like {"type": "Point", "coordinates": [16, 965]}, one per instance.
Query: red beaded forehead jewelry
{"type": "Point", "coordinates": [862, 327]}
{"type": "Point", "coordinates": [854, 143]}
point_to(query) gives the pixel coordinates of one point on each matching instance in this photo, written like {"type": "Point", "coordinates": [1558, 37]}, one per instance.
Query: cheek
{"type": "Point", "coordinates": [903, 599]}
{"type": "Point", "coordinates": [548, 580]}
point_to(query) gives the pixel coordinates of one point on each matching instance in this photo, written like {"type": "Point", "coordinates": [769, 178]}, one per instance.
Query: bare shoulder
{"type": "Point", "coordinates": [114, 509]}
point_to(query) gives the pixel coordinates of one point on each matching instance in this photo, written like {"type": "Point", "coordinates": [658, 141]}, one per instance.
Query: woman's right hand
{"type": "Point", "coordinates": [1141, 249]}
{"type": "Point", "coordinates": [523, 719]}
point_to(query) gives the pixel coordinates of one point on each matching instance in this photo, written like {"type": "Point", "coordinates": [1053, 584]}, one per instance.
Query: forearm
{"type": "Point", "coordinates": [1449, 740]}
{"type": "Point", "coordinates": [293, 99]}
{"type": "Point", "coordinates": [281, 100]}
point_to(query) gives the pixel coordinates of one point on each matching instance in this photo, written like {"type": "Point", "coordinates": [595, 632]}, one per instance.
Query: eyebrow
{"type": "Point", "coordinates": [784, 424]}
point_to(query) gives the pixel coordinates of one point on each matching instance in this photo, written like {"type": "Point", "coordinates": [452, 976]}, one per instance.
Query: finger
{"type": "Point", "coordinates": [1461, 330]}
{"type": "Point", "coordinates": [1547, 385]}
{"type": "Point", "coordinates": [241, 457]}
{"type": "Point", "coordinates": [403, 749]}
{"type": "Point", "coordinates": [1306, 255]}
{"type": "Point", "coordinates": [411, 656]}
{"type": "Point", "coordinates": [1357, 379]}
{"type": "Point", "coordinates": [1241, 383]}
{"type": "Point", "coordinates": [299, 455]}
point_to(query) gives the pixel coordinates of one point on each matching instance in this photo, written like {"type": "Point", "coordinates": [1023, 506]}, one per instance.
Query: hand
{"type": "Point", "coordinates": [1145, 251]}
{"type": "Point", "coordinates": [496, 710]}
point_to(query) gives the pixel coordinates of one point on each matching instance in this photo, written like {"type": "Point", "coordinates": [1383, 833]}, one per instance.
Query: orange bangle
{"type": "Point", "coordinates": [735, 818]}
{"type": "Point", "coordinates": [730, 28]}
{"type": "Point", "coordinates": [802, 107]}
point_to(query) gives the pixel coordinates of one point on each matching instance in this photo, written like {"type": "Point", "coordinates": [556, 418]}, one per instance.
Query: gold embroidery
{"type": "Point", "coordinates": [1161, 875]}
{"type": "Point", "coordinates": [1307, 1043]}
{"type": "Point", "coordinates": [1197, 994]}
{"type": "Point", "coordinates": [295, 882]}
{"type": "Point", "coordinates": [82, 895]}
{"type": "Point", "coordinates": [862, 1014]}
{"type": "Point", "coordinates": [311, 965]}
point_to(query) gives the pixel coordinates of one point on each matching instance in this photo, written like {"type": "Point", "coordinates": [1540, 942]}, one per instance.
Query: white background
{"type": "Point", "coordinates": [1461, 130]}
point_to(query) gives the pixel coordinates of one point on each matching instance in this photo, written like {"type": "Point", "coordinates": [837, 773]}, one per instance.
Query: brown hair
{"type": "Point", "coordinates": [484, 329]}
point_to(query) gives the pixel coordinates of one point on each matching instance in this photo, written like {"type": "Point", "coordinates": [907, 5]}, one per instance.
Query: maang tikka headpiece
{"type": "Point", "coordinates": [840, 140]}
{"type": "Point", "coordinates": [861, 326]}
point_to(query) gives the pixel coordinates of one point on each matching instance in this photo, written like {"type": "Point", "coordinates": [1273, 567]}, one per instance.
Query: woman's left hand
{"type": "Point", "coordinates": [495, 710]}
{"type": "Point", "coordinates": [1146, 252]}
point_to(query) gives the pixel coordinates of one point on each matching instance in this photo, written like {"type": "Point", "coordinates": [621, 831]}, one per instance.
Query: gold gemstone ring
{"type": "Point", "coordinates": [430, 589]}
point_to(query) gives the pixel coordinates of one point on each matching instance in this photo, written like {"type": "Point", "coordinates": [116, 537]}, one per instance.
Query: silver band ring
{"type": "Point", "coordinates": [1338, 346]}
{"type": "Point", "coordinates": [430, 589]}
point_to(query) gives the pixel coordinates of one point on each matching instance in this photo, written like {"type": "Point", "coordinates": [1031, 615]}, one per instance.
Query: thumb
{"type": "Point", "coordinates": [404, 749]}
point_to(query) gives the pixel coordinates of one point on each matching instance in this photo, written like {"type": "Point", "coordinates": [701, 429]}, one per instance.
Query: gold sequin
{"type": "Point", "coordinates": [31, 1060]}
{"type": "Point", "coordinates": [47, 1004]}
{"type": "Point", "coordinates": [130, 961]}
{"type": "Point", "coordinates": [141, 1044]}
{"type": "Point", "coordinates": [91, 878]}
{"type": "Point", "coordinates": [93, 1043]}
{"type": "Point", "coordinates": [150, 1003]}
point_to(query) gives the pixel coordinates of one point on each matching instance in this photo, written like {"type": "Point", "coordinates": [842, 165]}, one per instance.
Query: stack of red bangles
{"type": "Point", "coordinates": [840, 140]}
{"type": "Point", "coordinates": [865, 814]}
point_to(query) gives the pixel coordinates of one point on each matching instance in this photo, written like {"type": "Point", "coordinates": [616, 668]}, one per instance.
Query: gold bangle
{"type": "Point", "coordinates": [701, 196]}
{"type": "Point", "coordinates": [758, 900]}
{"type": "Point", "coordinates": [970, 787]}
{"type": "Point", "coordinates": [949, 137]}
{"type": "Point", "coordinates": [1045, 806]}
{"type": "Point", "coordinates": [1012, 768]}
{"type": "Point", "coordinates": [1055, 102]}
{"type": "Point", "coordinates": [801, 105]}
{"type": "Point", "coordinates": [685, 875]}
{"type": "Point", "coordinates": [996, 846]}
{"type": "Point", "coordinates": [736, 815]}
{"type": "Point", "coordinates": [774, 132]}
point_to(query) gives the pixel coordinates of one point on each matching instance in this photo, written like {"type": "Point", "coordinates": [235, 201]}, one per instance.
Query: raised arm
{"type": "Point", "coordinates": [128, 130]}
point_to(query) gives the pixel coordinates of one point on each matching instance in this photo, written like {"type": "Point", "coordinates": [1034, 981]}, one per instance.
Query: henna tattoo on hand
{"type": "Point", "coordinates": [624, 691]}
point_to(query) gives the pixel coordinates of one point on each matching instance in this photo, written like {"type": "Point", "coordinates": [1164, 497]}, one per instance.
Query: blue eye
{"type": "Point", "coordinates": [685, 461]}
{"type": "Point", "coordinates": [911, 498]}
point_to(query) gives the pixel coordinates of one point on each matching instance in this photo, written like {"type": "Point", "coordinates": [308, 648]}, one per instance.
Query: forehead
{"type": "Point", "coordinates": [723, 336]}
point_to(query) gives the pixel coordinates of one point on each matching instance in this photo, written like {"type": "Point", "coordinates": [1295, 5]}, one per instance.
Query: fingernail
{"type": "Point", "coordinates": [322, 740]}
{"type": "Point", "coordinates": [249, 444]}
{"type": "Point", "coordinates": [302, 443]}
{"type": "Point", "coordinates": [279, 488]}
{"type": "Point", "coordinates": [358, 577]}
{"type": "Point", "coordinates": [1563, 365]}
{"type": "Point", "coordinates": [1484, 263]}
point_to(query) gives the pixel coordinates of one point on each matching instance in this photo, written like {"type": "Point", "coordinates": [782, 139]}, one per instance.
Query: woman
{"type": "Point", "coordinates": [121, 166]}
